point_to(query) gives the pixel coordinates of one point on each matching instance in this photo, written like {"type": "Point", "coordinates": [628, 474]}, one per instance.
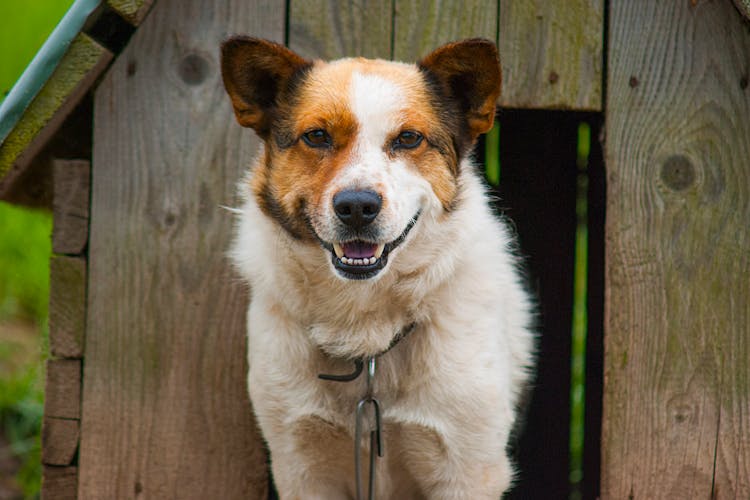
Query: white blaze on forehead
{"type": "Point", "coordinates": [377, 104]}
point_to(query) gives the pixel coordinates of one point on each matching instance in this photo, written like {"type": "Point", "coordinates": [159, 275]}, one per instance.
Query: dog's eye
{"type": "Point", "coordinates": [407, 139]}
{"type": "Point", "coordinates": [317, 138]}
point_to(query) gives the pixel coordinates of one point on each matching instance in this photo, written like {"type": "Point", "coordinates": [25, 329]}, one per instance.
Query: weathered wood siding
{"type": "Point", "coordinates": [421, 26]}
{"type": "Point", "coordinates": [165, 411]}
{"type": "Point", "coordinates": [165, 406]}
{"type": "Point", "coordinates": [677, 360]}
{"type": "Point", "coordinates": [326, 29]}
{"type": "Point", "coordinates": [551, 52]}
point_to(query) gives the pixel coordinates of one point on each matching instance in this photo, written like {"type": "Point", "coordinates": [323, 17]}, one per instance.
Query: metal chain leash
{"type": "Point", "coordinates": [376, 441]}
{"type": "Point", "coordinates": [368, 401]}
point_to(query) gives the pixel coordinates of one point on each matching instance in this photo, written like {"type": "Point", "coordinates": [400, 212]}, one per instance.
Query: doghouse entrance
{"type": "Point", "coordinates": [548, 178]}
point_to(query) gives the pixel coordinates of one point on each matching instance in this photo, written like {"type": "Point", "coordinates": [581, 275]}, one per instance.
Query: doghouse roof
{"type": "Point", "coordinates": [61, 74]}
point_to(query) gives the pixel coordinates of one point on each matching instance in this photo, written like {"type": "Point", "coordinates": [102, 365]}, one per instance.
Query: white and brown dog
{"type": "Point", "coordinates": [366, 233]}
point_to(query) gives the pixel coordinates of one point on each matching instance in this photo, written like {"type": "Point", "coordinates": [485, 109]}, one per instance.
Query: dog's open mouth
{"type": "Point", "coordinates": [359, 259]}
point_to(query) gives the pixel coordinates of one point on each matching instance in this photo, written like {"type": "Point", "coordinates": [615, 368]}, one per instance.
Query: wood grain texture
{"type": "Point", "coordinates": [133, 10]}
{"type": "Point", "coordinates": [551, 54]}
{"type": "Point", "coordinates": [330, 29]}
{"type": "Point", "coordinates": [677, 376]}
{"type": "Point", "coordinates": [81, 65]}
{"type": "Point", "coordinates": [59, 440]}
{"type": "Point", "coordinates": [165, 408]}
{"type": "Point", "coordinates": [67, 306]}
{"type": "Point", "coordinates": [62, 392]}
{"type": "Point", "coordinates": [423, 25]}
{"type": "Point", "coordinates": [70, 229]}
{"type": "Point", "coordinates": [59, 483]}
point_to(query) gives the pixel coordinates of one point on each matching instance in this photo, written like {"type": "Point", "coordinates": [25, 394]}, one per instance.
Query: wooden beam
{"type": "Point", "coordinates": [59, 483]}
{"type": "Point", "coordinates": [165, 407]}
{"type": "Point", "coordinates": [423, 25]}
{"type": "Point", "coordinates": [70, 229]}
{"type": "Point", "coordinates": [62, 393]}
{"type": "Point", "coordinates": [677, 377]}
{"type": "Point", "coordinates": [59, 440]}
{"type": "Point", "coordinates": [82, 64]}
{"type": "Point", "coordinates": [134, 11]}
{"type": "Point", "coordinates": [34, 186]}
{"type": "Point", "coordinates": [67, 306]}
{"type": "Point", "coordinates": [552, 54]}
{"type": "Point", "coordinates": [327, 29]}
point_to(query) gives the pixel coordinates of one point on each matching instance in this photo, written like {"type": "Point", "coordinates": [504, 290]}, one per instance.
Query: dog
{"type": "Point", "coordinates": [367, 238]}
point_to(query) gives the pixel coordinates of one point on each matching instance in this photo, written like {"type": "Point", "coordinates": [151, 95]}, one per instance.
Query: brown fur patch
{"type": "Point", "coordinates": [469, 74]}
{"type": "Point", "coordinates": [255, 72]}
{"type": "Point", "coordinates": [294, 176]}
{"type": "Point", "coordinates": [291, 180]}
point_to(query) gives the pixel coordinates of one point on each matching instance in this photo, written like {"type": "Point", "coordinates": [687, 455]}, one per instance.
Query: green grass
{"type": "Point", "coordinates": [21, 409]}
{"type": "Point", "coordinates": [580, 320]}
{"type": "Point", "coordinates": [492, 155]}
{"type": "Point", "coordinates": [25, 249]}
{"type": "Point", "coordinates": [24, 262]}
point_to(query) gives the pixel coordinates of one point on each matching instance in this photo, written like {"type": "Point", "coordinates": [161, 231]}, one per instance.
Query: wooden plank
{"type": "Point", "coordinates": [59, 440]}
{"type": "Point", "coordinates": [59, 483]}
{"type": "Point", "coordinates": [134, 11]}
{"type": "Point", "coordinates": [423, 25]}
{"type": "Point", "coordinates": [70, 230]}
{"type": "Point", "coordinates": [165, 408]}
{"type": "Point", "coordinates": [79, 68]}
{"type": "Point", "coordinates": [67, 306]}
{"type": "Point", "coordinates": [34, 186]}
{"type": "Point", "coordinates": [329, 29]}
{"type": "Point", "coordinates": [552, 54]}
{"type": "Point", "coordinates": [62, 393]}
{"type": "Point", "coordinates": [677, 377]}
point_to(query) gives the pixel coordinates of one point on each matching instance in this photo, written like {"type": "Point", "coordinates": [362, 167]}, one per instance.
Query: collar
{"type": "Point", "coordinates": [359, 362]}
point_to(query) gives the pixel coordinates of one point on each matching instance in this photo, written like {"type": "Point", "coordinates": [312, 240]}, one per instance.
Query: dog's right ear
{"type": "Point", "coordinates": [255, 71]}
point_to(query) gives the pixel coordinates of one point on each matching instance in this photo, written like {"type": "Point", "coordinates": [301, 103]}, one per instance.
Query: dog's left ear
{"type": "Point", "coordinates": [255, 73]}
{"type": "Point", "coordinates": [469, 72]}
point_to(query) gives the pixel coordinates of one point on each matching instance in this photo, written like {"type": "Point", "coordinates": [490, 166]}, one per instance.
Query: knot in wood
{"type": "Point", "coordinates": [193, 69]}
{"type": "Point", "coordinates": [678, 172]}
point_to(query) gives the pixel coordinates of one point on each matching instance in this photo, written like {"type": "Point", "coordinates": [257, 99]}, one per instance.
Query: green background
{"type": "Point", "coordinates": [24, 275]}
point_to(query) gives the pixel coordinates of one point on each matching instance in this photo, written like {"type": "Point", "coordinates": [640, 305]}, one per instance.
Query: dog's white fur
{"type": "Point", "coordinates": [448, 391]}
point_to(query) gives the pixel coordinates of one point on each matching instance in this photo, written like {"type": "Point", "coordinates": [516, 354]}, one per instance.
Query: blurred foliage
{"type": "Point", "coordinates": [24, 264]}
{"type": "Point", "coordinates": [24, 26]}
{"type": "Point", "coordinates": [21, 409]}
{"type": "Point", "coordinates": [25, 249]}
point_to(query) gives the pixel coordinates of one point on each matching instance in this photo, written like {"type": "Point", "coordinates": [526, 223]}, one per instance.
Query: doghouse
{"type": "Point", "coordinates": [130, 138]}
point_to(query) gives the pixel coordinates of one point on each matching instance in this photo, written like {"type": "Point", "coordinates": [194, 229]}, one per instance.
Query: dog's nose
{"type": "Point", "coordinates": [357, 208]}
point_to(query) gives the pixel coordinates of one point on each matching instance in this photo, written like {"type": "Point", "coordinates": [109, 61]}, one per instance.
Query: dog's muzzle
{"type": "Point", "coordinates": [360, 259]}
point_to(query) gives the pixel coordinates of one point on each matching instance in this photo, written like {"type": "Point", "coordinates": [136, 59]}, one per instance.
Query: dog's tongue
{"type": "Point", "coordinates": [359, 249]}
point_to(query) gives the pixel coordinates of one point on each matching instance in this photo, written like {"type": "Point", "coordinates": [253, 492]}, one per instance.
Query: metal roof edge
{"type": "Point", "coordinates": [43, 65]}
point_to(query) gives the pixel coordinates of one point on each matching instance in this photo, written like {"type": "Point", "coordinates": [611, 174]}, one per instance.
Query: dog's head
{"type": "Point", "coordinates": [357, 150]}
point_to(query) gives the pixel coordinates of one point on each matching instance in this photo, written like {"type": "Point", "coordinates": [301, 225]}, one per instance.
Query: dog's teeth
{"type": "Point", "coordinates": [358, 262]}
{"type": "Point", "coordinates": [379, 251]}
{"type": "Point", "coordinates": [338, 249]}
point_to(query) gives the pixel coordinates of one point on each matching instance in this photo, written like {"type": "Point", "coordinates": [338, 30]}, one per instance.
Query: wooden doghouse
{"type": "Point", "coordinates": [132, 141]}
